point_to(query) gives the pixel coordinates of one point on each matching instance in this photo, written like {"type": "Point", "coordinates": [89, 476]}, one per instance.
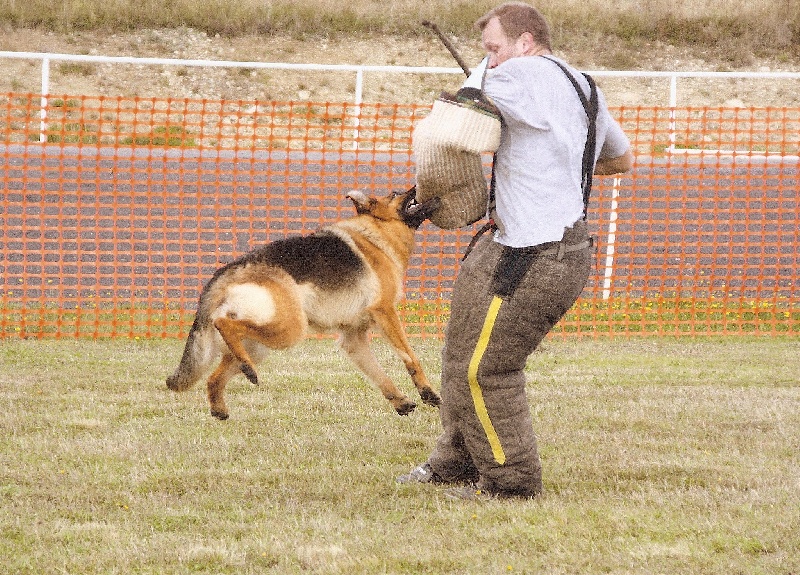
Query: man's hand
{"type": "Point", "coordinates": [618, 165]}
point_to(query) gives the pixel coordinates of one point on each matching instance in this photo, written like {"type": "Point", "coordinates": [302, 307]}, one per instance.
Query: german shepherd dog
{"type": "Point", "coordinates": [346, 277]}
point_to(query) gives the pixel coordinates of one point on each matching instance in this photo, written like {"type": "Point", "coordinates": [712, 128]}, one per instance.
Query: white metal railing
{"type": "Point", "coordinates": [359, 70]}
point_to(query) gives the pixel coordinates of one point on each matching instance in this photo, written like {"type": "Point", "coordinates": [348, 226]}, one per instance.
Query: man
{"type": "Point", "coordinates": [515, 285]}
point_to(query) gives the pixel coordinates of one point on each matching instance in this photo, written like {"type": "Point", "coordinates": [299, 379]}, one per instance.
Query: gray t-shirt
{"type": "Point", "coordinates": [539, 162]}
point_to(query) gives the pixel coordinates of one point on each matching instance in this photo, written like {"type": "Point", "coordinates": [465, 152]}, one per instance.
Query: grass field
{"type": "Point", "coordinates": [660, 456]}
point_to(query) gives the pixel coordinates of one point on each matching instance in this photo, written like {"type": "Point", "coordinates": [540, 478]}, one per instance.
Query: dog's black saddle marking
{"type": "Point", "coordinates": [321, 258]}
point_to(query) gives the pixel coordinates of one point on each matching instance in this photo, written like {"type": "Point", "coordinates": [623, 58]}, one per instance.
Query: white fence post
{"type": "Point", "coordinates": [359, 98]}
{"type": "Point", "coordinates": [610, 240]}
{"type": "Point", "coordinates": [43, 102]}
{"type": "Point", "coordinates": [673, 103]}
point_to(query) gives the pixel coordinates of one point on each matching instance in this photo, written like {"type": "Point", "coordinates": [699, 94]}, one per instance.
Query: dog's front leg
{"type": "Point", "coordinates": [390, 324]}
{"type": "Point", "coordinates": [355, 343]}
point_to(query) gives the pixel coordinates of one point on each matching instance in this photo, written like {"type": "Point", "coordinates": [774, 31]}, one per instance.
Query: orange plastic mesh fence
{"type": "Point", "coordinates": [115, 212]}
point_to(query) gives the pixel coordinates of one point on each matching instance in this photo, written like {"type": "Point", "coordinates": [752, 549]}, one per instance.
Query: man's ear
{"type": "Point", "coordinates": [526, 43]}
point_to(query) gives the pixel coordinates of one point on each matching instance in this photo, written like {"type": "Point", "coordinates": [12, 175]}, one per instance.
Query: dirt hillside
{"type": "Point", "coordinates": [251, 84]}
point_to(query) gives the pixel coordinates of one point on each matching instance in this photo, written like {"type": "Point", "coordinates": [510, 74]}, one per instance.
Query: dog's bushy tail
{"type": "Point", "coordinates": [199, 354]}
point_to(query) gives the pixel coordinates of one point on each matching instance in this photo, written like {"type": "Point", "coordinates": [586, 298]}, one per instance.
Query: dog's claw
{"type": "Point", "coordinates": [406, 407]}
{"type": "Point", "coordinates": [221, 415]}
{"type": "Point", "coordinates": [430, 397]}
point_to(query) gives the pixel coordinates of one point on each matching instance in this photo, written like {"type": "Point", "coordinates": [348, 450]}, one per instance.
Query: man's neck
{"type": "Point", "coordinates": [538, 51]}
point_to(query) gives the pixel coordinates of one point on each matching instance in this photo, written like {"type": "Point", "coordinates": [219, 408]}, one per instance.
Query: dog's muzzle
{"type": "Point", "coordinates": [414, 212]}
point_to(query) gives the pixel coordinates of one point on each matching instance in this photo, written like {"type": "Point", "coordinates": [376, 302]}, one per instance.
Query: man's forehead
{"type": "Point", "coordinates": [493, 32]}
{"type": "Point", "coordinates": [493, 26]}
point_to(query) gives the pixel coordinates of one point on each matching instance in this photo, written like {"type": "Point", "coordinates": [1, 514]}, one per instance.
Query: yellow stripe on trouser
{"type": "Point", "coordinates": [474, 386]}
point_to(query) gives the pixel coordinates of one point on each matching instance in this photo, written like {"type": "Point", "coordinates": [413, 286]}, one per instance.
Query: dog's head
{"type": "Point", "coordinates": [395, 206]}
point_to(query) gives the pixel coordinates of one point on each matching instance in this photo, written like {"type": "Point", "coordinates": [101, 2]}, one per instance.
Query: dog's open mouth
{"type": "Point", "coordinates": [414, 212]}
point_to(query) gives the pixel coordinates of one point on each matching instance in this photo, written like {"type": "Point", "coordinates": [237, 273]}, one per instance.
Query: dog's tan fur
{"type": "Point", "coordinates": [262, 301]}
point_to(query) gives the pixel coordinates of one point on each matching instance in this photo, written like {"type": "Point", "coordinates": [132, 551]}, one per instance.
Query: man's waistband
{"type": "Point", "coordinates": [556, 248]}
{"type": "Point", "coordinates": [514, 263]}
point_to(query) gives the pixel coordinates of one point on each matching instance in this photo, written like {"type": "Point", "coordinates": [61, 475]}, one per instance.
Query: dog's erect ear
{"type": "Point", "coordinates": [360, 200]}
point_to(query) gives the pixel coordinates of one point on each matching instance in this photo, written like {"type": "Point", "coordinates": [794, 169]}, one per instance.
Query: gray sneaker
{"type": "Point", "coordinates": [420, 474]}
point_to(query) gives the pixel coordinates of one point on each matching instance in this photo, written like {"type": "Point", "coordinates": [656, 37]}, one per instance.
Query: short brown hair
{"type": "Point", "coordinates": [516, 18]}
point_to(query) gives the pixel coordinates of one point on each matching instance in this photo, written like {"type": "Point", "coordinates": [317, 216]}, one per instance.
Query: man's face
{"type": "Point", "coordinates": [497, 45]}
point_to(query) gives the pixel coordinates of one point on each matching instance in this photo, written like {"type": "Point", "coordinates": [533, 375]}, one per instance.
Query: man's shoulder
{"type": "Point", "coordinates": [534, 67]}
{"type": "Point", "coordinates": [524, 63]}
{"type": "Point", "coordinates": [527, 70]}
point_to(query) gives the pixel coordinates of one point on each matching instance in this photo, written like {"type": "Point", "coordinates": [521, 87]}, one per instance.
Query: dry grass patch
{"type": "Point", "coordinates": [661, 456]}
{"type": "Point", "coordinates": [735, 29]}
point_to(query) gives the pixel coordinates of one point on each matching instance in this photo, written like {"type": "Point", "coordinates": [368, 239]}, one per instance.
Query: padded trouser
{"type": "Point", "coordinates": [487, 429]}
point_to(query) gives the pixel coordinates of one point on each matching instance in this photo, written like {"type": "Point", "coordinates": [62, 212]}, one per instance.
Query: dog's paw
{"type": "Point", "coordinates": [174, 383]}
{"type": "Point", "coordinates": [406, 407]}
{"type": "Point", "coordinates": [221, 415]}
{"type": "Point", "coordinates": [430, 397]}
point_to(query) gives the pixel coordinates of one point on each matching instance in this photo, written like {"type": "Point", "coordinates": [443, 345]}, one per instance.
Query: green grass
{"type": "Point", "coordinates": [660, 456]}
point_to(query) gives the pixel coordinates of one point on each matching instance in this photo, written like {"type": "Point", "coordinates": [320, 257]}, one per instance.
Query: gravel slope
{"type": "Point", "coordinates": [189, 82]}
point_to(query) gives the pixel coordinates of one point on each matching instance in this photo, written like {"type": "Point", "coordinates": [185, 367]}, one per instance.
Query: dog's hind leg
{"type": "Point", "coordinates": [268, 313]}
{"type": "Point", "coordinates": [391, 327]}
{"type": "Point", "coordinates": [228, 367]}
{"type": "Point", "coordinates": [241, 356]}
{"type": "Point", "coordinates": [354, 342]}
{"type": "Point", "coordinates": [234, 332]}
{"type": "Point", "coordinates": [278, 335]}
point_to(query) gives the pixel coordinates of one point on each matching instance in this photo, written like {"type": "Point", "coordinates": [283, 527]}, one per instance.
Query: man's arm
{"type": "Point", "coordinates": [618, 165]}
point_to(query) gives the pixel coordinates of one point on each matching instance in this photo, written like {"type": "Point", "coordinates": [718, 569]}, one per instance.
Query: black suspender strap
{"type": "Point", "coordinates": [590, 106]}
